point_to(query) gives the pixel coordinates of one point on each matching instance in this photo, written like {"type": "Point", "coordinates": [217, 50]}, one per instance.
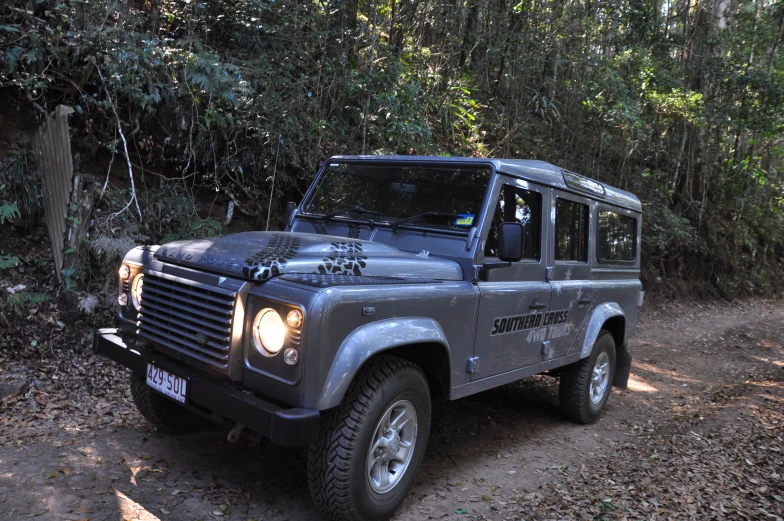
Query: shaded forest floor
{"type": "Point", "coordinates": [698, 435]}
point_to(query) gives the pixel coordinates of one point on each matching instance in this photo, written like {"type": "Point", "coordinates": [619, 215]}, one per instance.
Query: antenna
{"type": "Point", "coordinates": [272, 191]}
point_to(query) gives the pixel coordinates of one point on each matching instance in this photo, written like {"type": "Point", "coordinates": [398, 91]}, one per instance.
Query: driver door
{"type": "Point", "coordinates": [513, 300]}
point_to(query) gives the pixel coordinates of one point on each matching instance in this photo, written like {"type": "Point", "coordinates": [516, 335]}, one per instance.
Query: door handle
{"type": "Point", "coordinates": [584, 301]}
{"type": "Point", "coordinates": [537, 305]}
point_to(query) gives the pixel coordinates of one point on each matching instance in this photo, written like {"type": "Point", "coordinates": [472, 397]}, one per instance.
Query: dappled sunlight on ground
{"type": "Point", "coordinates": [636, 384]}
{"type": "Point", "coordinates": [130, 509]}
{"type": "Point", "coordinates": [664, 374]}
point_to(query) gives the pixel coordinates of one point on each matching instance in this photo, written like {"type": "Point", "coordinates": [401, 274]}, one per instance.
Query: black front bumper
{"type": "Point", "coordinates": [290, 427]}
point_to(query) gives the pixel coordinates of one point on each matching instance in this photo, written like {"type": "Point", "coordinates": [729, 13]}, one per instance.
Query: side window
{"type": "Point", "coordinates": [616, 240]}
{"type": "Point", "coordinates": [521, 206]}
{"type": "Point", "coordinates": [571, 231]}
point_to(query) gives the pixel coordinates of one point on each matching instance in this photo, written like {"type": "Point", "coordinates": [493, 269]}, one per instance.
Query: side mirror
{"type": "Point", "coordinates": [510, 242]}
{"type": "Point", "coordinates": [288, 212]}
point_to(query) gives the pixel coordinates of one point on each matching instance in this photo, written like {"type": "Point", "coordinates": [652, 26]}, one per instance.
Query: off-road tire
{"type": "Point", "coordinates": [164, 414]}
{"type": "Point", "coordinates": [337, 473]}
{"type": "Point", "coordinates": [574, 387]}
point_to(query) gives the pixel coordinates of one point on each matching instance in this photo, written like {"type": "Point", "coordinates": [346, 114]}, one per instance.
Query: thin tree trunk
{"type": "Point", "coordinates": [775, 45]}
{"type": "Point", "coordinates": [370, 73]}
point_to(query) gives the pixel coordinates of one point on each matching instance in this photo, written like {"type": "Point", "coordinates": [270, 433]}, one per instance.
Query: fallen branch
{"type": "Point", "coordinates": [36, 105]}
{"type": "Point", "coordinates": [229, 213]}
{"type": "Point", "coordinates": [272, 190]}
{"type": "Point", "coordinates": [108, 173]}
{"type": "Point", "coordinates": [238, 205]}
{"type": "Point", "coordinates": [133, 198]}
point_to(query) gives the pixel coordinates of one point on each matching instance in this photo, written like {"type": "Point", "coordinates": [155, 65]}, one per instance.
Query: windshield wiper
{"type": "Point", "coordinates": [423, 214]}
{"type": "Point", "coordinates": [358, 209]}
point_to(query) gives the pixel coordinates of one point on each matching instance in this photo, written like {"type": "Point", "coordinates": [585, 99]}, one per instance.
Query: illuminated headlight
{"type": "Point", "coordinates": [294, 318]}
{"type": "Point", "coordinates": [269, 332]}
{"type": "Point", "coordinates": [124, 272]}
{"type": "Point", "coordinates": [136, 290]}
{"type": "Point", "coordinates": [122, 299]}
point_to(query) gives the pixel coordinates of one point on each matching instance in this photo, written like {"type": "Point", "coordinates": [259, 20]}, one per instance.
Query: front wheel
{"type": "Point", "coordinates": [585, 385]}
{"type": "Point", "coordinates": [370, 447]}
{"type": "Point", "coordinates": [164, 414]}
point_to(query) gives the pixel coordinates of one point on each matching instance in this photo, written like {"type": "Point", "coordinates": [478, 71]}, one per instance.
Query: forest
{"type": "Point", "coordinates": [203, 118]}
{"type": "Point", "coordinates": [679, 102]}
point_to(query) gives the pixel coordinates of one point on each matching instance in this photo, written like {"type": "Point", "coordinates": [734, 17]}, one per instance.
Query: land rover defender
{"type": "Point", "coordinates": [396, 279]}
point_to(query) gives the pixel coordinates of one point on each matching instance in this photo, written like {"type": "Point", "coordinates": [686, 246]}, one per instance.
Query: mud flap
{"type": "Point", "coordinates": [623, 366]}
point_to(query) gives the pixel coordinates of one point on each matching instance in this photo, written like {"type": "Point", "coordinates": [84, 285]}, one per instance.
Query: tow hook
{"type": "Point", "coordinates": [234, 433]}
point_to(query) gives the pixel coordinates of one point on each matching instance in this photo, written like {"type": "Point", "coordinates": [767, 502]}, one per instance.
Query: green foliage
{"type": "Point", "coordinates": [172, 215]}
{"type": "Point", "coordinates": [21, 301]}
{"type": "Point", "coordinates": [668, 239]}
{"type": "Point", "coordinates": [8, 211]}
{"type": "Point", "coordinates": [20, 185]}
{"type": "Point", "coordinates": [193, 229]}
{"type": "Point", "coordinates": [666, 233]}
{"type": "Point", "coordinates": [8, 261]}
{"type": "Point", "coordinates": [41, 261]}
{"type": "Point", "coordinates": [666, 104]}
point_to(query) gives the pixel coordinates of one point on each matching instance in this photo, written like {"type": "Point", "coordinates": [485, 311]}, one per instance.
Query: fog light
{"type": "Point", "coordinates": [294, 318]}
{"type": "Point", "coordinates": [291, 356]}
{"type": "Point", "coordinates": [124, 272]}
{"type": "Point", "coordinates": [122, 299]}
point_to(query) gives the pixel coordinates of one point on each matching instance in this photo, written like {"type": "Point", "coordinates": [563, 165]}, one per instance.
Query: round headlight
{"type": "Point", "coordinates": [269, 332]}
{"type": "Point", "coordinates": [294, 318]}
{"type": "Point", "coordinates": [122, 299]}
{"type": "Point", "coordinates": [136, 290]}
{"type": "Point", "coordinates": [124, 272]}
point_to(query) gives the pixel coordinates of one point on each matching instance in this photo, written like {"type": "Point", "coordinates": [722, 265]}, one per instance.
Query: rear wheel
{"type": "Point", "coordinates": [164, 414]}
{"type": "Point", "coordinates": [585, 385]}
{"type": "Point", "coordinates": [370, 447]}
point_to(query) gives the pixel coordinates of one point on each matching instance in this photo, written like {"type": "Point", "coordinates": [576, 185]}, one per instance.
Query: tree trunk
{"type": "Point", "coordinates": [469, 36]}
{"type": "Point", "coordinates": [77, 235]}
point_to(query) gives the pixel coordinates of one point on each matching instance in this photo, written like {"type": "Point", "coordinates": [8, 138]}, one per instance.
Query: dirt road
{"type": "Point", "coordinates": [698, 435]}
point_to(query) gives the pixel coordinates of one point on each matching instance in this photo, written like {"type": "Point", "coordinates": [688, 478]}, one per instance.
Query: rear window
{"type": "Point", "coordinates": [571, 231]}
{"type": "Point", "coordinates": [616, 240]}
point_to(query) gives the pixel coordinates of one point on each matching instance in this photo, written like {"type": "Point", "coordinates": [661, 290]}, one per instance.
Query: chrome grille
{"type": "Point", "coordinates": [189, 317]}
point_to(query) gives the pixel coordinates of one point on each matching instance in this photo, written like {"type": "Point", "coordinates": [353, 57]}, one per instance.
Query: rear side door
{"type": "Point", "coordinates": [570, 282]}
{"type": "Point", "coordinates": [514, 299]}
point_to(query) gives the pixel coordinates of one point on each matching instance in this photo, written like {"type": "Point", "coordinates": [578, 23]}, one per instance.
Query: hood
{"type": "Point", "coordinates": [262, 255]}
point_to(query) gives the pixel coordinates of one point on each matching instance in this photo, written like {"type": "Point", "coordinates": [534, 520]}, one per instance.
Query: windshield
{"type": "Point", "coordinates": [440, 197]}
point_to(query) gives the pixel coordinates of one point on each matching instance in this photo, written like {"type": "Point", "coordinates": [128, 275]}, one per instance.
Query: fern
{"type": "Point", "coordinates": [20, 182]}
{"type": "Point", "coordinates": [12, 58]}
{"type": "Point", "coordinates": [8, 211]}
{"type": "Point", "coordinates": [8, 261]}
{"type": "Point", "coordinates": [24, 300]}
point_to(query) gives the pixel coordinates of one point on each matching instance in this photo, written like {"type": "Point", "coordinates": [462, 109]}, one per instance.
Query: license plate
{"type": "Point", "coordinates": [173, 386]}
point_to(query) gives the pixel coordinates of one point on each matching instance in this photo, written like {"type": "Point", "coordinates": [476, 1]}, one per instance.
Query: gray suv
{"type": "Point", "coordinates": [397, 279]}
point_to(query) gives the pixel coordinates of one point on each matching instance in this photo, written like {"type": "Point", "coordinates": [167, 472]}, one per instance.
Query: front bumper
{"type": "Point", "coordinates": [221, 401]}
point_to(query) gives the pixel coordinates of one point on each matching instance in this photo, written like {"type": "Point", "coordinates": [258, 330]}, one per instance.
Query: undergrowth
{"type": "Point", "coordinates": [8, 261]}
{"type": "Point", "coordinates": [21, 193]}
{"type": "Point", "coordinates": [22, 301]}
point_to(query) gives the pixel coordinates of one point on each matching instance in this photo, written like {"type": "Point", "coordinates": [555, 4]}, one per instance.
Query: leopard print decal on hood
{"type": "Point", "coordinates": [264, 255]}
